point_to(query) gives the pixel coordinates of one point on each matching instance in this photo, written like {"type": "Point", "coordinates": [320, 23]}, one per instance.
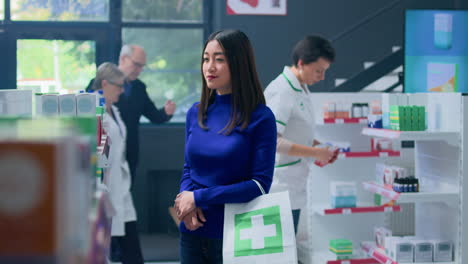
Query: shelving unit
{"type": "Point", "coordinates": [353, 120]}
{"type": "Point", "coordinates": [369, 154]}
{"type": "Point", "coordinates": [450, 137]}
{"type": "Point", "coordinates": [439, 210]}
{"type": "Point", "coordinates": [415, 197]}
{"type": "Point", "coordinates": [327, 258]}
{"type": "Point", "coordinates": [379, 255]}
{"type": "Point", "coordinates": [323, 222]}
{"type": "Point", "coordinates": [325, 210]}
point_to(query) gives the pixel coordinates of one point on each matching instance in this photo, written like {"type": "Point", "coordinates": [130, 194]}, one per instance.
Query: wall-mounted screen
{"type": "Point", "coordinates": [436, 51]}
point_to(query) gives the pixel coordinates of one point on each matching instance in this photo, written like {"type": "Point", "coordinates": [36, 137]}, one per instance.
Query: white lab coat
{"type": "Point", "coordinates": [293, 109]}
{"type": "Point", "coordinates": [117, 175]}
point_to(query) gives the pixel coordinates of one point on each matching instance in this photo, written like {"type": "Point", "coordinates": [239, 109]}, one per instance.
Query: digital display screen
{"type": "Point", "coordinates": [436, 51]}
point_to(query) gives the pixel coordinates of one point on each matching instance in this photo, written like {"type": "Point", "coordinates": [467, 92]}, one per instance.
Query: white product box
{"type": "Point", "coordinates": [47, 104]}
{"type": "Point", "coordinates": [380, 233]}
{"type": "Point", "coordinates": [423, 250]}
{"type": "Point", "coordinates": [399, 249]}
{"type": "Point", "coordinates": [86, 104]}
{"type": "Point", "coordinates": [16, 102]}
{"type": "Point", "coordinates": [442, 250]}
{"type": "Point", "coordinates": [67, 105]}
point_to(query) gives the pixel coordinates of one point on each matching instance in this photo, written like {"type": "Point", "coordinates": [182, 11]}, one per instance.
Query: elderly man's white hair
{"type": "Point", "coordinates": [127, 50]}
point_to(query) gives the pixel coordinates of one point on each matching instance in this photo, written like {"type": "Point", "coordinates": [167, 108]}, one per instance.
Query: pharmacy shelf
{"type": "Point", "coordinates": [353, 261]}
{"type": "Point", "coordinates": [449, 197]}
{"type": "Point", "coordinates": [324, 210]}
{"type": "Point", "coordinates": [369, 154]}
{"type": "Point", "coordinates": [452, 138]}
{"type": "Point", "coordinates": [424, 197]}
{"type": "Point", "coordinates": [379, 255]}
{"type": "Point", "coordinates": [327, 257]}
{"type": "Point", "coordinates": [353, 120]}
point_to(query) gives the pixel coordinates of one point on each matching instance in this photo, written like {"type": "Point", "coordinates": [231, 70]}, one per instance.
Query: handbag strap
{"type": "Point", "coordinates": [259, 186]}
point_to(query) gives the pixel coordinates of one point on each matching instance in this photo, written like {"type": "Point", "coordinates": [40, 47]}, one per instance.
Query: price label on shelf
{"type": "Point", "coordinates": [345, 262]}
{"type": "Point", "coordinates": [388, 209]}
{"type": "Point", "coordinates": [347, 211]}
{"type": "Point", "coordinates": [383, 154]}
{"type": "Point", "coordinates": [339, 121]}
{"type": "Point", "coordinates": [363, 121]}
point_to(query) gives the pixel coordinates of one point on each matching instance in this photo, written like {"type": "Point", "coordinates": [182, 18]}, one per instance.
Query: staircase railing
{"type": "Point", "coordinates": [361, 80]}
{"type": "Point", "coordinates": [365, 20]}
{"type": "Point", "coordinates": [364, 78]}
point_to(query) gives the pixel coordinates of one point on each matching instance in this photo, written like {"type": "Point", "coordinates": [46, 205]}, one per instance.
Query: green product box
{"type": "Point", "coordinates": [377, 199]}
{"type": "Point", "coordinates": [408, 118]}
{"type": "Point", "coordinates": [422, 118]}
{"type": "Point", "coordinates": [414, 118]}
{"type": "Point", "coordinates": [99, 110]}
{"type": "Point", "coordinates": [394, 117]}
{"type": "Point", "coordinates": [402, 118]}
{"type": "Point", "coordinates": [341, 246]}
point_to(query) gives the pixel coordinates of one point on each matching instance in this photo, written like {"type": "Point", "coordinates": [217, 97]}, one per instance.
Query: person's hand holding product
{"type": "Point", "coordinates": [325, 156]}
{"type": "Point", "coordinates": [336, 152]}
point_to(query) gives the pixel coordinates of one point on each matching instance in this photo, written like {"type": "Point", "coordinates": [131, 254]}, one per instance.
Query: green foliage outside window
{"type": "Point", "coordinates": [55, 10]}
{"type": "Point", "coordinates": [69, 63]}
{"type": "Point", "coordinates": [162, 10]}
{"type": "Point", "coordinates": [2, 9]}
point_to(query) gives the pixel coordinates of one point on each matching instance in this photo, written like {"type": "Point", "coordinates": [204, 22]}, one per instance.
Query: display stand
{"type": "Point", "coordinates": [441, 210]}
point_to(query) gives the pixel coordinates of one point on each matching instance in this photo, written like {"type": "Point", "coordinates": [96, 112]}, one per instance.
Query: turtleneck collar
{"type": "Point", "coordinates": [223, 99]}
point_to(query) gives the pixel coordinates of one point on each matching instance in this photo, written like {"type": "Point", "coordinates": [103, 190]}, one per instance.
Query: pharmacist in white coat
{"type": "Point", "coordinates": [289, 98]}
{"type": "Point", "coordinates": [117, 176]}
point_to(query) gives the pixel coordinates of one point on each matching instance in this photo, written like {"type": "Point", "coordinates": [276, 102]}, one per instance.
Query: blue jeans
{"type": "Point", "coordinates": [200, 250]}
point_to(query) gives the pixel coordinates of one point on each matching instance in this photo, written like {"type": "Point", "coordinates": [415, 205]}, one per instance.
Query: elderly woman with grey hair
{"type": "Point", "coordinates": [117, 178]}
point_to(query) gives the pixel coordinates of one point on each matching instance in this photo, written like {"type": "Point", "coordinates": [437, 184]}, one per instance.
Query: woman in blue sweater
{"type": "Point", "coordinates": [229, 149]}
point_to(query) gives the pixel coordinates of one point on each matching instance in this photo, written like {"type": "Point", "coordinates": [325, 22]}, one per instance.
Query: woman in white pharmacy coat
{"type": "Point", "coordinates": [117, 176]}
{"type": "Point", "coordinates": [289, 99]}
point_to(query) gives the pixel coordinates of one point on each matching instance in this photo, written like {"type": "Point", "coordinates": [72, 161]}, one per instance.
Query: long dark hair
{"type": "Point", "coordinates": [247, 92]}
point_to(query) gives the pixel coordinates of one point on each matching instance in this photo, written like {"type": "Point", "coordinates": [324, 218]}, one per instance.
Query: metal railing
{"type": "Point", "coordinates": [364, 78]}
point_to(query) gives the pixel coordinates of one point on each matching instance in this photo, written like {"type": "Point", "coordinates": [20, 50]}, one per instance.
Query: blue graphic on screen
{"type": "Point", "coordinates": [436, 51]}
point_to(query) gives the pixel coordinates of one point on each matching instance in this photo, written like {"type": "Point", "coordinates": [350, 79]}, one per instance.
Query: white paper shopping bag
{"type": "Point", "coordinates": [260, 231]}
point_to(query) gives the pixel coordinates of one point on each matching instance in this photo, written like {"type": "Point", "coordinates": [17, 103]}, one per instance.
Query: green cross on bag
{"type": "Point", "coordinates": [258, 232]}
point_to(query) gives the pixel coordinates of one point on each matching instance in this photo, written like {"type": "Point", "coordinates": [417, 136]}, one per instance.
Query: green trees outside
{"type": "Point", "coordinates": [162, 10]}
{"type": "Point", "coordinates": [59, 10]}
{"type": "Point", "coordinates": [2, 7]}
{"type": "Point", "coordinates": [70, 63]}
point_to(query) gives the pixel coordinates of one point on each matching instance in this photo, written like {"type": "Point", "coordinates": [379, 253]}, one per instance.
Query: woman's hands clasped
{"type": "Point", "coordinates": [187, 211]}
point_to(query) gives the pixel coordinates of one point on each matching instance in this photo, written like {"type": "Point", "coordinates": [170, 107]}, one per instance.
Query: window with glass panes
{"type": "Point", "coordinates": [55, 45]}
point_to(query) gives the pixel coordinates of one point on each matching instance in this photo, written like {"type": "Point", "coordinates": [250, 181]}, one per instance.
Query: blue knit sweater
{"type": "Point", "coordinates": [219, 169]}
